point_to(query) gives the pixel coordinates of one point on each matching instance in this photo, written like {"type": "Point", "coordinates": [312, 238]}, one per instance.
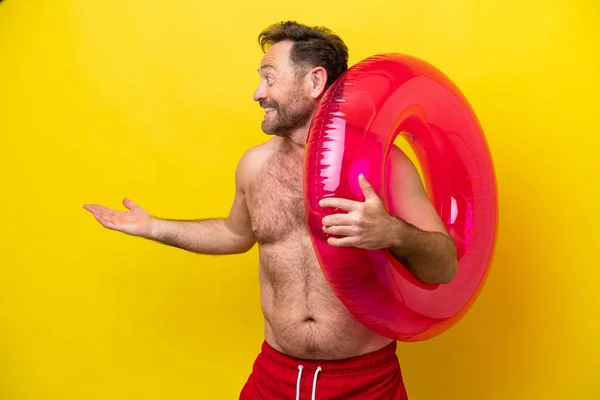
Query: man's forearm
{"type": "Point", "coordinates": [205, 236]}
{"type": "Point", "coordinates": [429, 256]}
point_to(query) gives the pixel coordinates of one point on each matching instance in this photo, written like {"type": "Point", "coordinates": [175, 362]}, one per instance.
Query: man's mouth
{"type": "Point", "coordinates": [269, 110]}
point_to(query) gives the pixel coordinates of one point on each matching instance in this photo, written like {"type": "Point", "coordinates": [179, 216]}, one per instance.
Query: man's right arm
{"type": "Point", "coordinates": [231, 235]}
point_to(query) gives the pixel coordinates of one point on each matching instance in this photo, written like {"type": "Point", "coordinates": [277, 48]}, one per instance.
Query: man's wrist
{"type": "Point", "coordinates": [154, 228]}
{"type": "Point", "coordinates": [396, 233]}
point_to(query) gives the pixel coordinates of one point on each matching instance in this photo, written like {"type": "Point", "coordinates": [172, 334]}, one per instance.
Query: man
{"type": "Point", "coordinates": [313, 347]}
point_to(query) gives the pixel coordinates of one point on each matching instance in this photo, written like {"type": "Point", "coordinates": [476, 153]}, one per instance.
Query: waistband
{"type": "Point", "coordinates": [354, 365]}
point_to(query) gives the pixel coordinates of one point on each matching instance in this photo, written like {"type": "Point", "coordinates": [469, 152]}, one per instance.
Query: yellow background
{"type": "Point", "coordinates": [153, 100]}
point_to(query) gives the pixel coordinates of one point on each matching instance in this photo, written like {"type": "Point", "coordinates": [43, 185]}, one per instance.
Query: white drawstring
{"type": "Point", "coordinates": [314, 388]}
{"type": "Point", "coordinates": [298, 384]}
{"type": "Point", "coordinates": [314, 392]}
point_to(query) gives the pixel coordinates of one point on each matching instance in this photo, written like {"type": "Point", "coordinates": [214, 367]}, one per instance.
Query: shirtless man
{"type": "Point", "coordinates": [313, 347]}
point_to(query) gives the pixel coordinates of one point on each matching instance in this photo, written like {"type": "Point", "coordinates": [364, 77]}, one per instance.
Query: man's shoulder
{"type": "Point", "coordinates": [400, 161]}
{"type": "Point", "coordinates": [255, 157]}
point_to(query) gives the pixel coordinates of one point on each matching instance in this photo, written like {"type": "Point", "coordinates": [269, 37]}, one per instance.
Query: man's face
{"type": "Point", "coordinates": [282, 93]}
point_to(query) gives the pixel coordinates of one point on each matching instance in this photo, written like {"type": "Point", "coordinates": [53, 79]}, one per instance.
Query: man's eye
{"type": "Point", "coordinates": [268, 79]}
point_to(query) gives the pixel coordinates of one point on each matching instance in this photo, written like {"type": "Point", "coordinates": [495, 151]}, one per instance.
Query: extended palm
{"type": "Point", "coordinates": [135, 222]}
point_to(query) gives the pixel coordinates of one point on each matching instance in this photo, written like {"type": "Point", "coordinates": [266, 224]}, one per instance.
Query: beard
{"type": "Point", "coordinates": [287, 119]}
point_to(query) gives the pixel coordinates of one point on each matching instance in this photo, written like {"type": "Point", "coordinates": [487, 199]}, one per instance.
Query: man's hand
{"type": "Point", "coordinates": [416, 237]}
{"type": "Point", "coordinates": [367, 224]}
{"type": "Point", "coordinates": [135, 222]}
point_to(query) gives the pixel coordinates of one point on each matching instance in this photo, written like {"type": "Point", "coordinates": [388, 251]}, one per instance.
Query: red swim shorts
{"type": "Point", "coordinates": [373, 376]}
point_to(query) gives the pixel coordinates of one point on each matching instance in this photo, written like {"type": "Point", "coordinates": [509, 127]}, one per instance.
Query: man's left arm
{"type": "Point", "coordinates": [416, 236]}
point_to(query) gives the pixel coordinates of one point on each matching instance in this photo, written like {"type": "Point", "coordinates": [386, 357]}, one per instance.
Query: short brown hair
{"type": "Point", "coordinates": [313, 47]}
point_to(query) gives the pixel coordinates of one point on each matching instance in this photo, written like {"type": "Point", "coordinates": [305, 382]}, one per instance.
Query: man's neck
{"type": "Point", "coordinates": [297, 139]}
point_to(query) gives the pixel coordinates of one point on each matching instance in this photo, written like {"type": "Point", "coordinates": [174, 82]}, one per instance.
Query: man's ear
{"type": "Point", "coordinates": [318, 82]}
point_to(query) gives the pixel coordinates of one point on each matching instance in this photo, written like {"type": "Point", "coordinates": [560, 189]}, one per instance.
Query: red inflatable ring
{"type": "Point", "coordinates": [352, 132]}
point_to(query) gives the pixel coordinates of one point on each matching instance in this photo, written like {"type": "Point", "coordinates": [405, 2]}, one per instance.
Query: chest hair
{"type": "Point", "coordinates": [276, 198]}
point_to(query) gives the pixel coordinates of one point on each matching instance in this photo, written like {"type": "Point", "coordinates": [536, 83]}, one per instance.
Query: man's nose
{"type": "Point", "coordinates": [259, 93]}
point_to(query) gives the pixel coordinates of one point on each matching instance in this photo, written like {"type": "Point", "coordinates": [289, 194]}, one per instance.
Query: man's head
{"type": "Point", "coordinates": [299, 64]}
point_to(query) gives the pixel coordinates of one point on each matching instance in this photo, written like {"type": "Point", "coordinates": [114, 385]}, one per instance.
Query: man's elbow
{"type": "Point", "coordinates": [244, 246]}
{"type": "Point", "coordinates": [239, 244]}
{"type": "Point", "coordinates": [450, 267]}
{"type": "Point", "coordinates": [448, 273]}
{"type": "Point", "coordinates": [442, 275]}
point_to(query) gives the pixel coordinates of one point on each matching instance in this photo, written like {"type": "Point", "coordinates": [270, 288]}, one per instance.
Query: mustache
{"type": "Point", "coordinates": [269, 104]}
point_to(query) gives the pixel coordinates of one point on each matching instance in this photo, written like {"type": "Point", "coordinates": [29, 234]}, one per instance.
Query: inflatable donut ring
{"type": "Point", "coordinates": [351, 133]}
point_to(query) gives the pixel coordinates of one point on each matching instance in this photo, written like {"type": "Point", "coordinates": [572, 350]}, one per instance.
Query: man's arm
{"type": "Point", "coordinates": [231, 235]}
{"type": "Point", "coordinates": [416, 236]}
{"type": "Point", "coordinates": [217, 236]}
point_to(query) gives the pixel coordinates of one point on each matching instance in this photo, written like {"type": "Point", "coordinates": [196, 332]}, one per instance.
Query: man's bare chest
{"type": "Point", "coordinates": [275, 199]}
